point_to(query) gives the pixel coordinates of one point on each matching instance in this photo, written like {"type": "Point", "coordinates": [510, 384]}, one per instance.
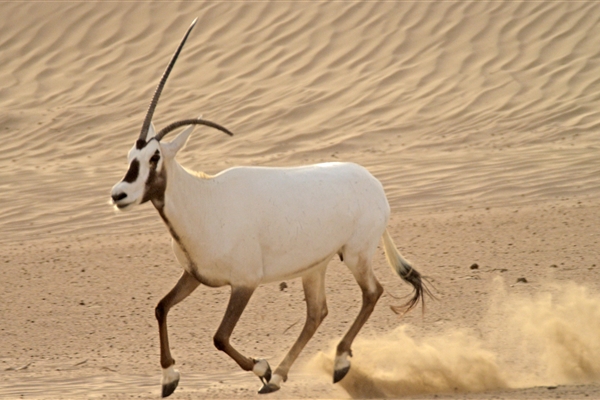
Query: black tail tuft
{"type": "Point", "coordinates": [419, 284]}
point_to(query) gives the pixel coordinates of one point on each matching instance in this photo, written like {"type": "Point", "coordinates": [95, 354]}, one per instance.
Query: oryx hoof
{"type": "Point", "coordinates": [339, 374]}
{"type": "Point", "coordinates": [341, 366]}
{"type": "Point", "coordinates": [170, 380]}
{"type": "Point", "coordinates": [268, 388]}
{"type": "Point", "coordinates": [262, 370]}
{"type": "Point", "coordinates": [169, 388]}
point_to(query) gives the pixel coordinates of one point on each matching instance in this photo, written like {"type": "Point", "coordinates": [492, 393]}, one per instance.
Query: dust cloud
{"type": "Point", "coordinates": [560, 329]}
{"type": "Point", "coordinates": [549, 338]}
{"type": "Point", "coordinates": [398, 365]}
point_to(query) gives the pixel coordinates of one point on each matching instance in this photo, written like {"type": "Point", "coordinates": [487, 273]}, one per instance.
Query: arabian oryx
{"type": "Point", "coordinates": [250, 225]}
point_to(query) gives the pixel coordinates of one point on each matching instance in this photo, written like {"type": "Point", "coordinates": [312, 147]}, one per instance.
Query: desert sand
{"type": "Point", "coordinates": [481, 119]}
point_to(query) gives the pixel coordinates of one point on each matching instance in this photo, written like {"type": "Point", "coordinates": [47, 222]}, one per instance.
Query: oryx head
{"type": "Point", "coordinates": [146, 178]}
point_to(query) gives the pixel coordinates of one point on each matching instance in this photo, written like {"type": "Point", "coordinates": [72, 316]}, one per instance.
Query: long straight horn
{"type": "Point", "coordinates": [160, 86]}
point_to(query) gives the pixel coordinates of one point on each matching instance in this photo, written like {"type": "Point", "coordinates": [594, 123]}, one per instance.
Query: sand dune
{"type": "Point", "coordinates": [466, 111]}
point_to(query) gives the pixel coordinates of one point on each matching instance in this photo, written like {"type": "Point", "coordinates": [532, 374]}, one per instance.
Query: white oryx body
{"type": "Point", "coordinates": [272, 223]}
{"type": "Point", "coordinates": [250, 225]}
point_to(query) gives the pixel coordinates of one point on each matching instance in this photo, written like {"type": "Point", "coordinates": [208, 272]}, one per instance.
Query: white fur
{"type": "Point", "coordinates": [341, 361]}
{"type": "Point", "coordinates": [395, 260]}
{"type": "Point", "coordinates": [276, 380]}
{"type": "Point", "coordinates": [170, 375]}
{"type": "Point", "coordinates": [252, 225]}
{"type": "Point", "coordinates": [260, 367]}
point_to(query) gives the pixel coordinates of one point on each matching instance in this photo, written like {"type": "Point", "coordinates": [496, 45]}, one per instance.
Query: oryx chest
{"type": "Point", "coordinates": [207, 273]}
{"type": "Point", "coordinates": [194, 258]}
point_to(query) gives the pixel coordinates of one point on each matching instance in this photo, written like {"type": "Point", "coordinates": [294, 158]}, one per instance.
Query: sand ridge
{"type": "Point", "coordinates": [479, 118]}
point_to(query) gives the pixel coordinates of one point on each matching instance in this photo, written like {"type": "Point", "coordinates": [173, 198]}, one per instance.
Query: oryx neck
{"type": "Point", "coordinates": [182, 186]}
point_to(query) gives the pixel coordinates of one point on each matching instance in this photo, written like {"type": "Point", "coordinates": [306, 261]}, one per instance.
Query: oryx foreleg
{"type": "Point", "coordinates": [237, 303]}
{"type": "Point", "coordinates": [316, 310]}
{"type": "Point", "coordinates": [186, 285]}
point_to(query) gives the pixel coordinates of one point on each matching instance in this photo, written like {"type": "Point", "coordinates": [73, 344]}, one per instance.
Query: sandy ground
{"type": "Point", "coordinates": [480, 119]}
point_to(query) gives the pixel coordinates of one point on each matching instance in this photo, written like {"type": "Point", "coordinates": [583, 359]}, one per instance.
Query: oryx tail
{"type": "Point", "coordinates": [406, 272]}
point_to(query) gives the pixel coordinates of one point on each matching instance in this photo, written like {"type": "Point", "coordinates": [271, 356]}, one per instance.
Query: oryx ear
{"type": "Point", "coordinates": [171, 148]}
{"type": "Point", "coordinates": [151, 132]}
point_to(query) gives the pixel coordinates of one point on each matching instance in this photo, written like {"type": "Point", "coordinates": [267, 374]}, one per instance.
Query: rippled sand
{"type": "Point", "coordinates": [480, 118]}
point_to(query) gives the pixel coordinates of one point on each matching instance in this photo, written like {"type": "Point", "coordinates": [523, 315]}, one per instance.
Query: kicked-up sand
{"type": "Point", "coordinates": [481, 119]}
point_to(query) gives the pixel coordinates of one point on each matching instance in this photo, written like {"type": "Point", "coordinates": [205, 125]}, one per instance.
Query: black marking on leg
{"type": "Point", "coordinates": [267, 375]}
{"type": "Point", "coordinates": [266, 378]}
{"type": "Point", "coordinates": [169, 388]}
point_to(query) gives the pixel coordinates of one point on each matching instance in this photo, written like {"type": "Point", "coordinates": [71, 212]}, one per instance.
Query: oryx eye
{"type": "Point", "coordinates": [155, 158]}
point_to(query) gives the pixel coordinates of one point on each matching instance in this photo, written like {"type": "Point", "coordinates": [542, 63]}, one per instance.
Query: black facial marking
{"type": "Point", "coordinates": [140, 144]}
{"type": "Point", "coordinates": [155, 158]}
{"type": "Point", "coordinates": [133, 172]}
{"type": "Point", "coordinates": [155, 187]}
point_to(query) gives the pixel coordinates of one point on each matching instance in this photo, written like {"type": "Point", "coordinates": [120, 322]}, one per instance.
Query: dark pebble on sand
{"type": "Point", "coordinates": [474, 266]}
{"type": "Point", "coordinates": [522, 280]}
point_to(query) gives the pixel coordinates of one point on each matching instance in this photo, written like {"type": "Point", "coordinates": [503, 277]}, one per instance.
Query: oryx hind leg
{"type": "Point", "coordinates": [184, 287]}
{"type": "Point", "coordinates": [316, 310]}
{"type": "Point", "coordinates": [371, 291]}
{"type": "Point", "coordinates": [237, 303]}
